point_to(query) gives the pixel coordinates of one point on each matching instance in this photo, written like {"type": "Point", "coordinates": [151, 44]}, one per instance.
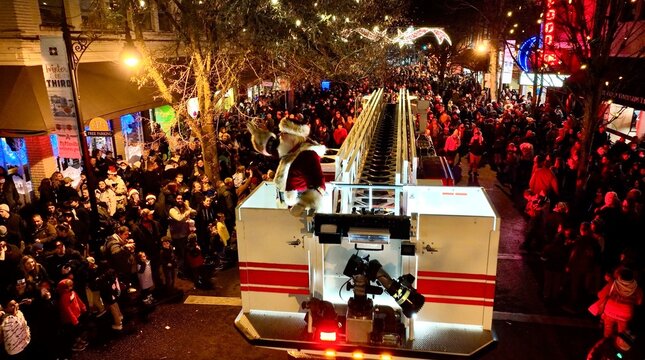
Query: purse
{"type": "Point", "coordinates": [597, 308]}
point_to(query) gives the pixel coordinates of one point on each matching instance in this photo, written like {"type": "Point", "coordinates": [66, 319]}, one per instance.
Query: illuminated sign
{"type": "Point", "coordinates": [548, 32]}
{"type": "Point", "coordinates": [547, 80]}
{"type": "Point", "coordinates": [526, 51]}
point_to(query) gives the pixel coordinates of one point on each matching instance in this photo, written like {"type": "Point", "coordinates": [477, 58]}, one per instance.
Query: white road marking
{"type": "Point", "coordinates": [212, 300]}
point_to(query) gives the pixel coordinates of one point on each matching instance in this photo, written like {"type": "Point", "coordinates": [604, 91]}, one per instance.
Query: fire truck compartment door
{"type": "Point", "coordinates": [458, 280]}
{"type": "Point", "coordinates": [273, 259]}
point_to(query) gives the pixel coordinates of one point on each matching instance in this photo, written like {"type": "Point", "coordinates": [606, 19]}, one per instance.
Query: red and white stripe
{"type": "Point", "coordinates": [457, 288]}
{"type": "Point", "coordinates": [274, 278]}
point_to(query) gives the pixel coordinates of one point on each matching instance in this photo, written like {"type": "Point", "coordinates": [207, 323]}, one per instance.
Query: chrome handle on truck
{"type": "Point", "coordinates": [296, 242]}
{"type": "Point", "coordinates": [430, 249]}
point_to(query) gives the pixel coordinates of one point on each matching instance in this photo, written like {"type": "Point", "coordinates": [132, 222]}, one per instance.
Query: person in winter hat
{"type": "Point", "coordinates": [299, 176]}
{"type": "Point", "coordinates": [622, 296]}
{"type": "Point", "coordinates": [14, 331]}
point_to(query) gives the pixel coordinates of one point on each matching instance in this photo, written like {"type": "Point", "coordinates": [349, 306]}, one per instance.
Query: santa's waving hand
{"type": "Point", "coordinates": [299, 176]}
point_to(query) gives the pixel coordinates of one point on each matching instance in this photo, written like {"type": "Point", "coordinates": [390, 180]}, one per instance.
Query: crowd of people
{"type": "Point", "coordinates": [583, 229]}
{"type": "Point", "coordinates": [157, 219]}
{"type": "Point", "coordinates": [162, 216]}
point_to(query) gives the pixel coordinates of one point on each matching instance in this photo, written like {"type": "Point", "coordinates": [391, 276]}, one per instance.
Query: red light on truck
{"type": "Point", "coordinates": [357, 355]}
{"type": "Point", "coordinates": [327, 336]}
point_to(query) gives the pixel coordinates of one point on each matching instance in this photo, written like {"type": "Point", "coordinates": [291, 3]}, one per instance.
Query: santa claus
{"type": "Point", "coordinates": [299, 177]}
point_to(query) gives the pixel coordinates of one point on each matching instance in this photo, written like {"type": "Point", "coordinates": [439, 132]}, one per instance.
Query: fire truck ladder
{"type": "Point", "coordinates": [379, 167]}
{"type": "Point", "coordinates": [380, 151]}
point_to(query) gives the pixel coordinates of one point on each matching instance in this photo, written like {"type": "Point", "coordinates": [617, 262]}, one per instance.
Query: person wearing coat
{"type": "Point", "coordinates": [70, 309]}
{"type": "Point", "coordinates": [621, 296]}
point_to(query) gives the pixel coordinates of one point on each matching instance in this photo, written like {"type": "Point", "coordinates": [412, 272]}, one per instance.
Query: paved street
{"type": "Point", "coordinates": [525, 328]}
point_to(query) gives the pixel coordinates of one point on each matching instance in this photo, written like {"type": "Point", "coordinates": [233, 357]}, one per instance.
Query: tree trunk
{"type": "Point", "coordinates": [443, 64]}
{"type": "Point", "coordinates": [209, 149]}
{"type": "Point", "coordinates": [591, 120]}
{"type": "Point", "coordinates": [492, 70]}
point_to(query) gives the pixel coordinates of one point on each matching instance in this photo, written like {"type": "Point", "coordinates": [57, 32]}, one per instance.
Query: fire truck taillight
{"type": "Point", "coordinates": [327, 336]}
{"type": "Point", "coordinates": [357, 355]}
{"type": "Point", "coordinates": [386, 357]}
{"type": "Point", "coordinates": [330, 353]}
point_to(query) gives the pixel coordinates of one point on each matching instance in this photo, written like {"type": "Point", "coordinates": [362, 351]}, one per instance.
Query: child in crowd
{"type": "Point", "coordinates": [144, 273]}
{"type": "Point", "coordinates": [92, 288]}
{"type": "Point", "coordinates": [71, 309]}
{"type": "Point", "coordinates": [168, 263]}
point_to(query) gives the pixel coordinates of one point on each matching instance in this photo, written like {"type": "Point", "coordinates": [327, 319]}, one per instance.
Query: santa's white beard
{"type": "Point", "coordinates": [287, 143]}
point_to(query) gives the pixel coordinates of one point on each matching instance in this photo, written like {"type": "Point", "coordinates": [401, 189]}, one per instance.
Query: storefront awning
{"type": "Point", "coordinates": [24, 108]}
{"type": "Point", "coordinates": [105, 90]}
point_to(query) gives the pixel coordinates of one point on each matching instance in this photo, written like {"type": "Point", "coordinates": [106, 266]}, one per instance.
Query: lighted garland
{"type": "Point", "coordinates": [402, 38]}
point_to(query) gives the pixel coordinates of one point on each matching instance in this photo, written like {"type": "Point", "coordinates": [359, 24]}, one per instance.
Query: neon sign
{"type": "Point", "coordinates": [548, 31]}
{"type": "Point", "coordinates": [527, 49]}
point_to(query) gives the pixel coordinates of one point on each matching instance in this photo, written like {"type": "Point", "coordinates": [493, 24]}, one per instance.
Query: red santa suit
{"type": "Point", "coordinates": [299, 176]}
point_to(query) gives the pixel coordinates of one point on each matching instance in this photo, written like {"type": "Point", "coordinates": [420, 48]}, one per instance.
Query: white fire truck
{"type": "Point", "coordinates": [387, 269]}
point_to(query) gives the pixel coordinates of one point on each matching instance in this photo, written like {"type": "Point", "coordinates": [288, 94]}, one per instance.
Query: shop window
{"type": "Point", "coordinates": [13, 157]}
{"type": "Point", "coordinates": [131, 127]}
{"type": "Point", "coordinates": [51, 12]}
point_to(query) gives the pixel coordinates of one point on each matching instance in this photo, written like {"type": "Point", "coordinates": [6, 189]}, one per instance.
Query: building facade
{"type": "Point", "coordinates": [34, 138]}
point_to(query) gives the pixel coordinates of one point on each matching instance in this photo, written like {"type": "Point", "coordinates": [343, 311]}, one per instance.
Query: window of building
{"type": "Point", "coordinates": [51, 12]}
{"type": "Point", "coordinates": [142, 16]}
{"type": "Point", "coordinates": [101, 14]}
{"type": "Point", "coordinates": [164, 21]}
{"type": "Point", "coordinates": [629, 12]}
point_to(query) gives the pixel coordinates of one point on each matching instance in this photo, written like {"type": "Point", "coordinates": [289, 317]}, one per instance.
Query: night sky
{"type": "Point", "coordinates": [426, 12]}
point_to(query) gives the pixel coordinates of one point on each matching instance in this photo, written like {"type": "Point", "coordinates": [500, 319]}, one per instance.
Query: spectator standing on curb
{"type": "Point", "coordinates": [476, 148]}
{"type": "Point", "coordinates": [621, 296]}
{"type": "Point", "coordinates": [168, 264]}
{"type": "Point", "coordinates": [71, 308]}
{"type": "Point", "coordinates": [451, 146]}
{"type": "Point", "coordinates": [14, 331]}
{"type": "Point", "coordinates": [180, 213]}
{"type": "Point", "coordinates": [119, 251]}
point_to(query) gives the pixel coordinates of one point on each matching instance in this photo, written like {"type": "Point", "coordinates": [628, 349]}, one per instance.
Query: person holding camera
{"type": "Point", "coordinates": [119, 251]}
{"type": "Point", "coordinates": [179, 227]}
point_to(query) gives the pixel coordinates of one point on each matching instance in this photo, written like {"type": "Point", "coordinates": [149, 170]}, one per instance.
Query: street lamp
{"type": "Point", "coordinates": [482, 47]}
{"type": "Point", "coordinates": [130, 56]}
